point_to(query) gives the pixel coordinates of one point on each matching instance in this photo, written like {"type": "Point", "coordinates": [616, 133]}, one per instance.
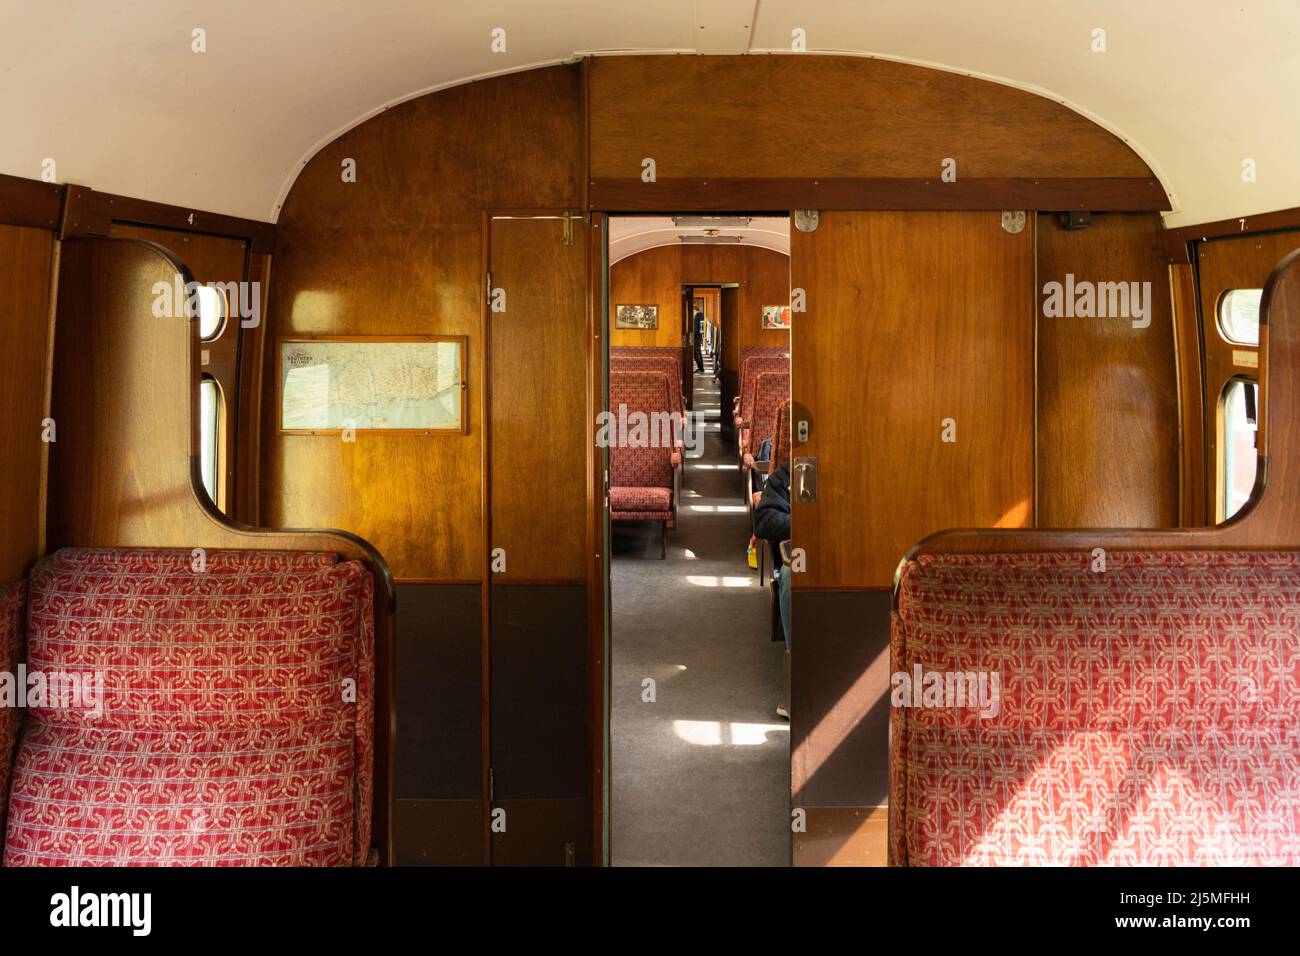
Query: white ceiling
{"type": "Point", "coordinates": [629, 235]}
{"type": "Point", "coordinates": [111, 90]}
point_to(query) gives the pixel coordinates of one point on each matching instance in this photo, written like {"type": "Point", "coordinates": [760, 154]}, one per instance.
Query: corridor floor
{"type": "Point", "coordinates": [700, 776]}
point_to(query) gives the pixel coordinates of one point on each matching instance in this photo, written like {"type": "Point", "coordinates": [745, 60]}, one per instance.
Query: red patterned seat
{"type": "Point", "coordinates": [650, 359]}
{"type": "Point", "coordinates": [643, 468]}
{"type": "Point", "coordinates": [770, 390]}
{"type": "Point", "coordinates": [754, 360]}
{"type": "Point", "coordinates": [237, 711]}
{"type": "Point", "coordinates": [1148, 713]}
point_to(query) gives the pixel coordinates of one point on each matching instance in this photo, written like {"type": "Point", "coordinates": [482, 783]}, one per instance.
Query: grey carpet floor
{"type": "Point", "coordinates": [701, 776]}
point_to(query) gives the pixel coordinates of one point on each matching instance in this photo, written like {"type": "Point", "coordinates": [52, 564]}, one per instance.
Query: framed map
{"type": "Point", "coordinates": [408, 385]}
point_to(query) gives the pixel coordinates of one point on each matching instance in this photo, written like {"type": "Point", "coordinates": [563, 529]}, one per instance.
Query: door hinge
{"type": "Point", "coordinates": [569, 219]}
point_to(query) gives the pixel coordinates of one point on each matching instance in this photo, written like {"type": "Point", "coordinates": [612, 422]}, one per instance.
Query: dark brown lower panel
{"type": "Point", "coordinates": [439, 833]}
{"type": "Point", "coordinates": [839, 685]}
{"type": "Point", "coordinates": [543, 833]}
{"type": "Point", "coordinates": [843, 836]}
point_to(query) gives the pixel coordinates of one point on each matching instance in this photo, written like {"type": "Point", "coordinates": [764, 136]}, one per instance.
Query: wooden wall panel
{"type": "Point", "coordinates": [399, 252]}
{"type": "Point", "coordinates": [538, 388]}
{"type": "Point", "coordinates": [1107, 433]}
{"type": "Point", "coordinates": [26, 257]}
{"type": "Point", "coordinates": [912, 318]}
{"type": "Point", "coordinates": [832, 116]}
{"type": "Point", "coordinates": [652, 277]}
{"type": "Point", "coordinates": [656, 276]}
{"type": "Point", "coordinates": [1193, 510]}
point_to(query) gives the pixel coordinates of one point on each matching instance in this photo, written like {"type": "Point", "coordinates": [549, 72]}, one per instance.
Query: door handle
{"type": "Point", "coordinates": [806, 487]}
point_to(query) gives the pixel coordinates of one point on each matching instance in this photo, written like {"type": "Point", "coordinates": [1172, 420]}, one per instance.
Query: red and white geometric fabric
{"type": "Point", "coordinates": [754, 366]}
{"type": "Point", "coordinates": [236, 725]}
{"type": "Point", "coordinates": [641, 504]}
{"type": "Point", "coordinates": [1149, 712]}
{"type": "Point", "coordinates": [11, 642]}
{"type": "Point", "coordinates": [781, 436]}
{"type": "Point", "coordinates": [640, 464]}
{"type": "Point", "coordinates": [651, 359]}
{"type": "Point", "coordinates": [770, 390]}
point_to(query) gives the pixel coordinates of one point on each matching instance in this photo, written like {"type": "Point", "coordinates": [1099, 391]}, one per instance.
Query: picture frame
{"type": "Point", "coordinates": [776, 317]}
{"type": "Point", "coordinates": [636, 316]}
{"type": "Point", "coordinates": [380, 385]}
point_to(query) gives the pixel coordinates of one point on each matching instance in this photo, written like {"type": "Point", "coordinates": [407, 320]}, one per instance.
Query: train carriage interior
{"type": "Point", "coordinates": [732, 433]}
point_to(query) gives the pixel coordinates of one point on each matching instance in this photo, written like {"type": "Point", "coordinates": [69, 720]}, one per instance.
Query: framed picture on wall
{"type": "Point", "coordinates": [408, 385]}
{"type": "Point", "coordinates": [636, 316]}
{"type": "Point", "coordinates": [776, 316]}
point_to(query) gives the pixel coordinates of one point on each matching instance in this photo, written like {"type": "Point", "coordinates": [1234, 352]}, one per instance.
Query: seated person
{"type": "Point", "coordinates": [772, 522]}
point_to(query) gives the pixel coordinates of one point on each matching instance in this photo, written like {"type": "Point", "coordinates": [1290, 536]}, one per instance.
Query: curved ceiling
{"type": "Point", "coordinates": [114, 94]}
{"type": "Point", "coordinates": [629, 235]}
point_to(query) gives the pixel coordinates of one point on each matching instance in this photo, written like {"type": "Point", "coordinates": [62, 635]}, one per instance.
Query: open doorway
{"type": "Point", "coordinates": [699, 770]}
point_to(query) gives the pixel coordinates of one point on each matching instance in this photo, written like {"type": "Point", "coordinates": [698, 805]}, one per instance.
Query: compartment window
{"type": "Point", "coordinates": [1239, 316]}
{"type": "Point", "coordinates": [209, 433]}
{"type": "Point", "coordinates": [1237, 448]}
{"type": "Point", "coordinates": [212, 312]}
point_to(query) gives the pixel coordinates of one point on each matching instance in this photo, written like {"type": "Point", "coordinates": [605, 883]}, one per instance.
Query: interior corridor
{"type": "Point", "coordinates": [701, 775]}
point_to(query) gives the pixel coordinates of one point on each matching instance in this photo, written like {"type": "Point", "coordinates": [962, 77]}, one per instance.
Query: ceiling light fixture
{"type": "Point", "coordinates": [711, 222]}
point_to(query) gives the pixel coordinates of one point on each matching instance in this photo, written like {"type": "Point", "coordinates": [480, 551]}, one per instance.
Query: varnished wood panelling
{"type": "Point", "coordinates": [913, 318]}
{"type": "Point", "coordinates": [1271, 520]}
{"type": "Point", "coordinates": [831, 116]}
{"type": "Point", "coordinates": [652, 277]}
{"type": "Point", "coordinates": [30, 202]}
{"type": "Point", "coordinates": [537, 406]}
{"type": "Point", "coordinates": [26, 255]}
{"type": "Point", "coordinates": [1107, 437]}
{"type": "Point", "coordinates": [1191, 397]}
{"type": "Point", "coordinates": [399, 252]}
{"type": "Point", "coordinates": [655, 277]}
{"type": "Point", "coordinates": [211, 259]}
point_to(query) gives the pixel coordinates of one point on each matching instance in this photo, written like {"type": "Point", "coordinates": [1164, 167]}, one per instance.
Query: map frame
{"type": "Point", "coordinates": [462, 347]}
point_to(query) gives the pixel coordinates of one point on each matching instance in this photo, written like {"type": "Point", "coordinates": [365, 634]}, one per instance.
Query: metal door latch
{"type": "Point", "coordinates": [806, 485]}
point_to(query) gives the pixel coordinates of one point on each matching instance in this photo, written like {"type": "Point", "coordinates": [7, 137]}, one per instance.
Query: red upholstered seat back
{"type": "Point", "coordinates": [781, 435]}
{"type": "Point", "coordinates": [648, 465]}
{"type": "Point", "coordinates": [670, 365]}
{"type": "Point", "coordinates": [1149, 713]}
{"type": "Point", "coordinates": [235, 722]}
{"type": "Point", "coordinates": [770, 390]}
{"type": "Point", "coordinates": [754, 366]}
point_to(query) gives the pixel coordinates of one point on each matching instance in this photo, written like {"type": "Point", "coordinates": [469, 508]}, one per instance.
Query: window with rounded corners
{"type": "Point", "coordinates": [212, 312]}
{"type": "Point", "coordinates": [1238, 316]}
{"type": "Point", "coordinates": [1238, 454]}
{"type": "Point", "coordinates": [210, 409]}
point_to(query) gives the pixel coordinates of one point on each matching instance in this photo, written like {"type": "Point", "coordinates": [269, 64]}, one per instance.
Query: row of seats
{"type": "Point", "coordinates": [761, 415]}
{"type": "Point", "coordinates": [645, 384]}
{"type": "Point", "coordinates": [764, 383]}
{"type": "Point", "coordinates": [219, 714]}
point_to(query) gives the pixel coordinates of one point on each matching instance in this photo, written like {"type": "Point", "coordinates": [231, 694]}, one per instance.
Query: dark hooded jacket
{"type": "Point", "coordinates": [772, 516]}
